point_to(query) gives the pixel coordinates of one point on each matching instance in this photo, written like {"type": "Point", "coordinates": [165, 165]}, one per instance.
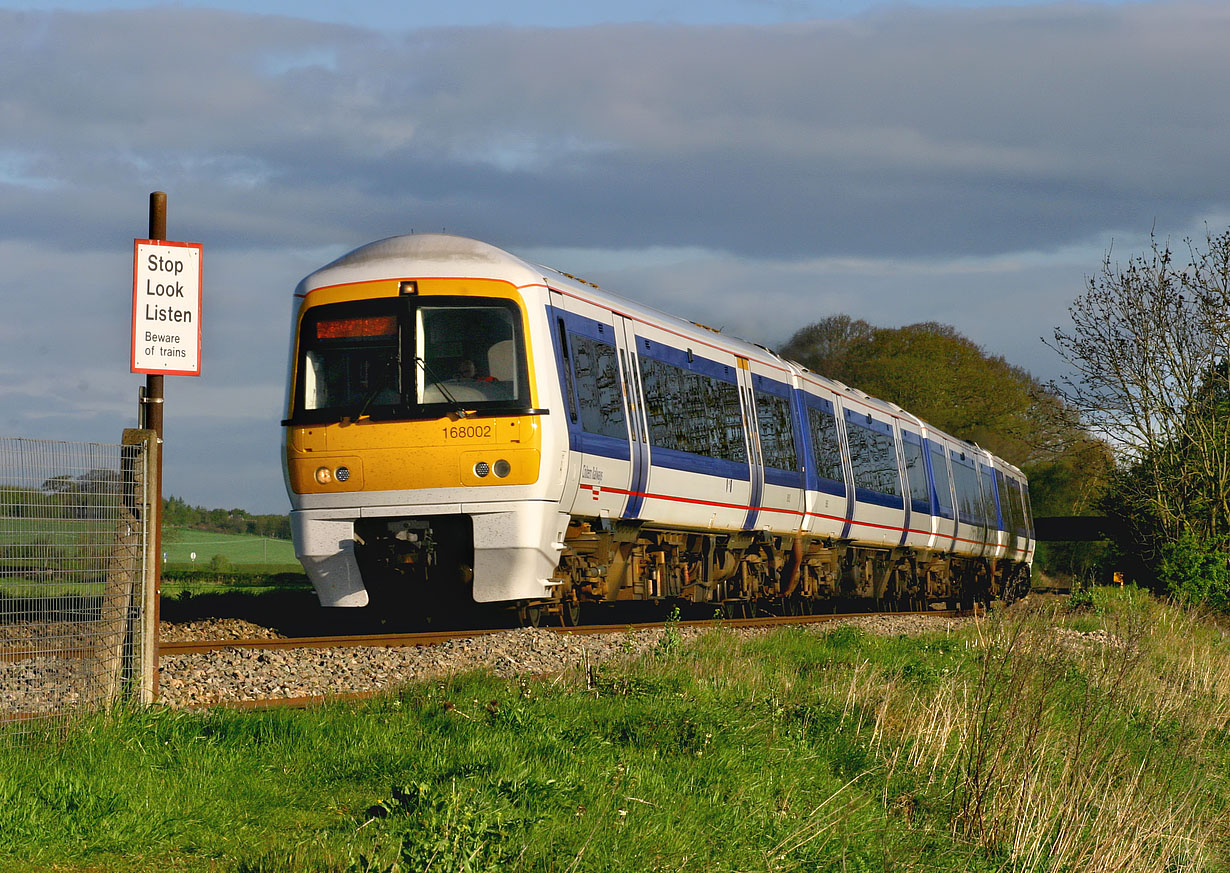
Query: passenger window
{"type": "Point", "coordinates": [873, 455]}
{"type": "Point", "coordinates": [1007, 502]}
{"type": "Point", "coordinates": [969, 501]}
{"type": "Point", "coordinates": [989, 512]}
{"type": "Point", "coordinates": [776, 431]}
{"type": "Point", "coordinates": [692, 412]}
{"type": "Point", "coordinates": [943, 487]}
{"type": "Point", "coordinates": [916, 475]}
{"type": "Point", "coordinates": [596, 370]}
{"type": "Point", "coordinates": [827, 444]}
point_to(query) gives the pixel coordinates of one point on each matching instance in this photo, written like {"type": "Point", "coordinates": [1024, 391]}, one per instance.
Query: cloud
{"type": "Point", "coordinates": [894, 166]}
{"type": "Point", "coordinates": [1008, 127]}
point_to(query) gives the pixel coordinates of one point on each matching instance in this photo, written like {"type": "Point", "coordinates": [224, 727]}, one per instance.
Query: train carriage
{"type": "Point", "coordinates": [465, 426]}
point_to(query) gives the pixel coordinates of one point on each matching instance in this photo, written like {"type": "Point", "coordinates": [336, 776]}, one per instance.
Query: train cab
{"type": "Point", "coordinates": [415, 433]}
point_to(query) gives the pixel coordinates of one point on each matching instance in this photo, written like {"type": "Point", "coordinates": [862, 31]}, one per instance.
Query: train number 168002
{"type": "Point", "coordinates": [467, 431]}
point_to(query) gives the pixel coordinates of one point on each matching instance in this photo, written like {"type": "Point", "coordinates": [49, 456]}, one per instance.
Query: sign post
{"type": "Point", "coordinates": [166, 341]}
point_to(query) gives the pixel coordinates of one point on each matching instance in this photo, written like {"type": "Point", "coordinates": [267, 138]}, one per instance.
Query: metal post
{"type": "Point", "coordinates": [153, 402]}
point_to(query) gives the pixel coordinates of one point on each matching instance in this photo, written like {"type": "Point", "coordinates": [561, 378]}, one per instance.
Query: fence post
{"type": "Point", "coordinates": [151, 518]}
{"type": "Point", "coordinates": [124, 637]}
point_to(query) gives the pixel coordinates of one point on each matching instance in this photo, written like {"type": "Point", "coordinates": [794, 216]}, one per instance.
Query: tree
{"type": "Point", "coordinates": [949, 381]}
{"type": "Point", "coordinates": [827, 346]}
{"type": "Point", "coordinates": [946, 379]}
{"type": "Point", "coordinates": [94, 494]}
{"type": "Point", "coordinates": [1148, 346]}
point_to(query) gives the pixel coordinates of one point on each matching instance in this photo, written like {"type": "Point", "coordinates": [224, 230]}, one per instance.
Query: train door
{"type": "Point", "coordinates": [601, 459]}
{"type": "Point", "coordinates": [921, 519]}
{"type": "Point", "coordinates": [1007, 512]}
{"type": "Point", "coordinates": [942, 494]}
{"type": "Point", "coordinates": [755, 456]}
{"type": "Point", "coordinates": [996, 537]}
{"type": "Point", "coordinates": [971, 523]}
{"type": "Point", "coordinates": [879, 492]}
{"type": "Point", "coordinates": [638, 432]}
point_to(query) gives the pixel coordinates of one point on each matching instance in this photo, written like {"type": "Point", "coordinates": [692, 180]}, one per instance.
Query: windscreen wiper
{"type": "Point", "coordinates": [439, 383]}
{"type": "Point", "coordinates": [367, 401]}
{"type": "Point", "coordinates": [383, 379]}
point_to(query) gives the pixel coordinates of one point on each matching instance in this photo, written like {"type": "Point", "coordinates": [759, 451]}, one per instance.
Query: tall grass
{"type": "Point", "coordinates": [1075, 749]}
{"type": "Point", "coordinates": [1036, 740]}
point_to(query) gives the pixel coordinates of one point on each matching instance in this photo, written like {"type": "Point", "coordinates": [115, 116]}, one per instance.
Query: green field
{"type": "Point", "coordinates": [180, 544]}
{"type": "Point", "coordinates": [57, 557]}
{"type": "Point", "coordinates": [26, 538]}
{"type": "Point", "coordinates": [81, 542]}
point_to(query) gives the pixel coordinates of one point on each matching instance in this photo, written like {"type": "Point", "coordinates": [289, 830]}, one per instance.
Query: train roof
{"type": "Point", "coordinates": [442, 254]}
{"type": "Point", "coordinates": [432, 253]}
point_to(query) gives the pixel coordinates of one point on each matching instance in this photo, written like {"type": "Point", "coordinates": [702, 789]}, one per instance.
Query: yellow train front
{"type": "Point", "coordinates": [415, 444]}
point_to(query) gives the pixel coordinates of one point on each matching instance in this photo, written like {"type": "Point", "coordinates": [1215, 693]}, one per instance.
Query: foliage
{"type": "Point", "coordinates": [219, 563]}
{"type": "Point", "coordinates": [176, 512]}
{"type": "Point", "coordinates": [1197, 571]}
{"type": "Point", "coordinates": [1148, 346]}
{"type": "Point", "coordinates": [236, 574]}
{"type": "Point", "coordinates": [974, 396]}
{"type": "Point", "coordinates": [93, 495]}
{"type": "Point", "coordinates": [671, 641]}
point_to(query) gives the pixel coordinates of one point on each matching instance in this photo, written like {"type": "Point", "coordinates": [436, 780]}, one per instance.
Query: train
{"type": "Point", "coordinates": [465, 427]}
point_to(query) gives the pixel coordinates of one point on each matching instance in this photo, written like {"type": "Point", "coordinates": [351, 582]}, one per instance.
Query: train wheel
{"type": "Point", "coordinates": [570, 612]}
{"type": "Point", "coordinates": [530, 614]}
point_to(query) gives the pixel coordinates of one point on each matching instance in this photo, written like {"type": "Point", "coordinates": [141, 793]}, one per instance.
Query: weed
{"type": "Point", "coordinates": [670, 643]}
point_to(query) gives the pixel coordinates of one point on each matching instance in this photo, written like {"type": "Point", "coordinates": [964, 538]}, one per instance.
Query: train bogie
{"type": "Point", "coordinates": [466, 427]}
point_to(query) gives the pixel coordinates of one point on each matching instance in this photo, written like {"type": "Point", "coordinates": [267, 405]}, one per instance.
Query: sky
{"type": "Point", "coordinates": [757, 165]}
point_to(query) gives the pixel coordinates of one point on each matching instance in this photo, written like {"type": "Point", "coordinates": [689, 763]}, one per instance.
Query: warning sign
{"type": "Point", "coordinates": [166, 307]}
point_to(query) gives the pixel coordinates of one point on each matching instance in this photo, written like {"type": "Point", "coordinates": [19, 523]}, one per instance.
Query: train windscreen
{"type": "Point", "coordinates": [410, 358]}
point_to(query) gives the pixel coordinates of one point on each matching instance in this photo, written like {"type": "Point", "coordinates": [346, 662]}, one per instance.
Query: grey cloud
{"type": "Point", "coordinates": [1005, 127]}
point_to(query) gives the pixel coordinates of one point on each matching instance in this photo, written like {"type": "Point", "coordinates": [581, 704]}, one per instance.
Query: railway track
{"type": "Point", "coordinates": [433, 638]}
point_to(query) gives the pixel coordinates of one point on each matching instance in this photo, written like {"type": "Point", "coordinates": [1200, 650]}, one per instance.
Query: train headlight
{"type": "Point", "coordinates": [502, 468]}
{"type": "Point", "coordinates": [324, 475]}
{"type": "Point", "coordinates": [342, 473]}
{"type": "Point", "coordinates": [481, 469]}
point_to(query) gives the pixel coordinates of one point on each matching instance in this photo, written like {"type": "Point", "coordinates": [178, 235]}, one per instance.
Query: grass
{"type": "Point", "coordinates": [226, 564]}
{"type": "Point", "coordinates": [179, 544]}
{"type": "Point", "coordinates": [1042, 739]}
{"type": "Point", "coordinates": [57, 558]}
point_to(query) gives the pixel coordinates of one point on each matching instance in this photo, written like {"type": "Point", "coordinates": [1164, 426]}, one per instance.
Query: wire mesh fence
{"type": "Point", "coordinates": [75, 635]}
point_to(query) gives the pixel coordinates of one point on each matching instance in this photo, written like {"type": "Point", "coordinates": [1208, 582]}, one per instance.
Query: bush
{"type": "Point", "coordinates": [238, 575]}
{"type": "Point", "coordinates": [1196, 571]}
{"type": "Point", "coordinates": [219, 563]}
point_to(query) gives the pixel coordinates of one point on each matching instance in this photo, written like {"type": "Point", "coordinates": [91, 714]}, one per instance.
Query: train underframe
{"type": "Point", "coordinates": [426, 563]}
{"type": "Point", "coordinates": [754, 571]}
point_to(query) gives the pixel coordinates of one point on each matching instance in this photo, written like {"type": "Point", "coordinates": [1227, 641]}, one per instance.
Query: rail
{"type": "Point", "coordinates": [434, 638]}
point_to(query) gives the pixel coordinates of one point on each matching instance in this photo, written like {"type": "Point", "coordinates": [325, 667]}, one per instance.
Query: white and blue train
{"type": "Point", "coordinates": [464, 425]}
